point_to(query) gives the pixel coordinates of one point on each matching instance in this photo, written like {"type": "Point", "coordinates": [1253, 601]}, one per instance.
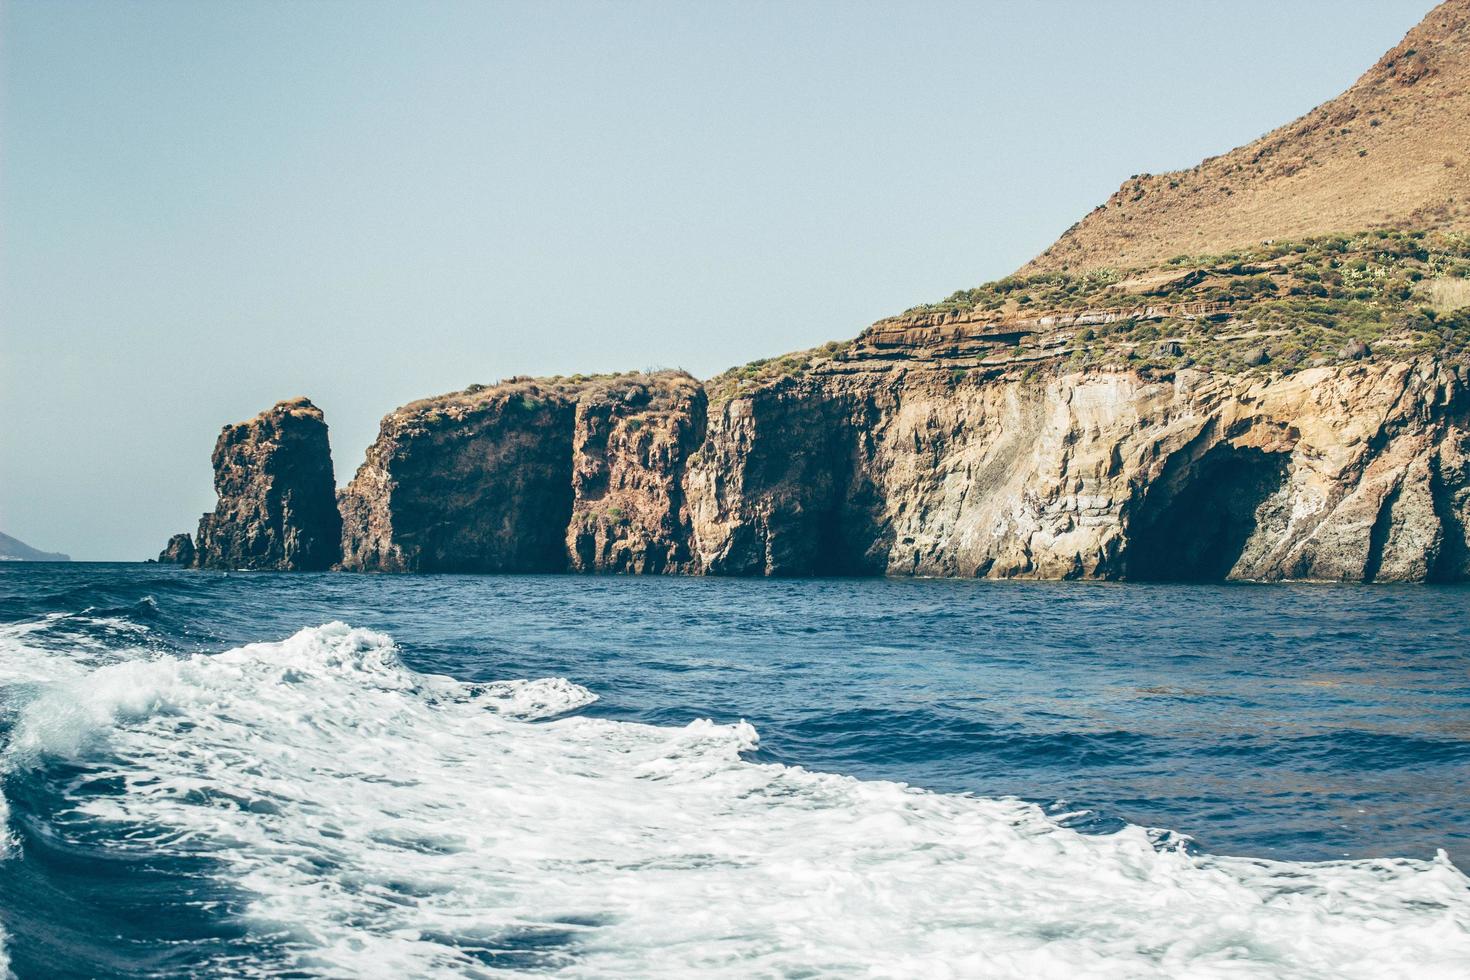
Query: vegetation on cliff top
{"type": "Point", "coordinates": [726, 385]}
{"type": "Point", "coordinates": [522, 392]}
{"type": "Point", "coordinates": [1286, 304]}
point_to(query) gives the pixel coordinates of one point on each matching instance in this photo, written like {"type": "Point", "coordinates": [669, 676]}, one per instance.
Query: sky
{"type": "Point", "coordinates": [208, 207]}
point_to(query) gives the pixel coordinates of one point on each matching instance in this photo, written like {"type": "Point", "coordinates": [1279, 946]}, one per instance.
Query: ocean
{"type": "Point", "coordinates": [264, 775]}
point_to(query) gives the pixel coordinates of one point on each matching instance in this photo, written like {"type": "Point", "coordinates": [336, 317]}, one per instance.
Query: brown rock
{"type": "Point", "coordinates": [530, 476]}
{"type": "Point", "coordinates": [277, 507]}
{"type": "Point", "coordinates": [1354, 473]}
{"type": "Point", "coordinates": [178, 551]}
{"type": "Point", "coordinates": [633, 437]}
{"type": "Point", "coordinates": [477, 481]}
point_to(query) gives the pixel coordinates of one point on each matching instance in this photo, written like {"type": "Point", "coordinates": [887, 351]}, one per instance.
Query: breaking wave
{"type": "Point", "coordinates": [376, 820]}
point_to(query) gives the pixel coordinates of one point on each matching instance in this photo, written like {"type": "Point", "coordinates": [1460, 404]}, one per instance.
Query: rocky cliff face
{"type": "Point", "coordinates": [888, 462]}
{"type": "Point", "coordinates": [178, 551]}
{"type": "Point", "coordinates": [1355, 473]}
{"type": "Point", "coordinates": [633, 437]}
{"type": "Point", "coordinates": [277, 507]}
{"type": "Point", "coordinates": [475, 482]}
{"type": "Point", "coordinates": [1125, 407]}
{"type": "Point", "coordinates": [529, 476]}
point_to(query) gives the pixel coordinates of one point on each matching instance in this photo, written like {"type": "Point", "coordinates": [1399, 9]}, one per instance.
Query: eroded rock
{"type": "Point", "coordinates": [547, 475]}
{"type": "Point", "coordinates": [277, 507]}
{"type": "Point", "coordinates": [178, 551]}
{"type": "Point", "coordinates": [632, 440]}
{"type": "Point", "coordinates": [1352, 473]}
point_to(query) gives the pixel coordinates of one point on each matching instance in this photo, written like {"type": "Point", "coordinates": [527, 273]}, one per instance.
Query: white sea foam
{"type": "Point", "coordinates": [7, 847]}
{"type": "Point", "coordinates": [385, 822]}
{"type": "Point", "coordinates": [61, 645]}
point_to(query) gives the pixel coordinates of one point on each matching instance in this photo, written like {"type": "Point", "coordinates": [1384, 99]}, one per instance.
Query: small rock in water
{"type": "Point", "coordinates": [178, 551]}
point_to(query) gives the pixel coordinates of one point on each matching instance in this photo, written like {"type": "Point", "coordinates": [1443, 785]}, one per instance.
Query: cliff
{"type": "Point", "coordinates": [529, 476]}
{"type": "Point", "coordinates": [277, 507]}
{"type": "Point", "coordinates": [178, 551]}
{"type": "Point", "coordinates": [1348, 473]}
{"type": "Point", "coordinates": [632, 440]}
{"type": "Point", "coordinates": [1162, 395]}
{"type": "Point", "coordinates": [1297, 411]}
{"type": "Point", "coordinates": [977, 443]}
{"type": "Point", "coordinates": [1393, 151]}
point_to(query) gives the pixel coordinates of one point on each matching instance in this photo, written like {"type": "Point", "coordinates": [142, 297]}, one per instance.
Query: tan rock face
{"type": "Point", "coordinates": [885, 464]}
{"type": "Point", "coordinates": [529, 476]}
{"type": "Point", "coordinates": [277, 507]}
{"type": "Point", "coordinates": [1354, 473]}
{"type": "Point", "coordinates": [632, 440]}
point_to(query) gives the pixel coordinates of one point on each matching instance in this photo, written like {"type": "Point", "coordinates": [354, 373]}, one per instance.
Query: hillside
{"type": "Point", "coordinates": [13, 549]}
{"type": "Point", "coordinates": [1274, 308]}
{"type": "Point", "coordinates": [1393, 151]}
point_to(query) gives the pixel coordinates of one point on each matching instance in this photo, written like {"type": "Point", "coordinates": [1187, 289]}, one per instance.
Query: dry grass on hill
{"type": "Point", "coordinates": [1391, 152]}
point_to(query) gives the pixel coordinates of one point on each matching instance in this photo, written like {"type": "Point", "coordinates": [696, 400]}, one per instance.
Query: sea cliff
{"type": "Point", "coordinates": [276, 509]}
{"type": "Point", "coordinates": [1293, 413]}
{"type": "Point", "coordinates": [1345, 473]}
{"type": "Point", "coordinates": [1123, 407]}
{"type": "Point", "coordinates": [533, 475]}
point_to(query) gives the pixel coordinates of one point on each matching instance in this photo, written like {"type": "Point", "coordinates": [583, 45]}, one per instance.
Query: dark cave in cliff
{"type": "Point", "coordinates": [1193, 525]}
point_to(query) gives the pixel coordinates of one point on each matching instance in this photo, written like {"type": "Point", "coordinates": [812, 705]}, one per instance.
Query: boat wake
{"type": "Point", "coordinates": [370, 819]}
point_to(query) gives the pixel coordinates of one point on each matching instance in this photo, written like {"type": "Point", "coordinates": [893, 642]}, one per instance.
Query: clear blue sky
{"type": "Point", "coordinates": [206, 207]}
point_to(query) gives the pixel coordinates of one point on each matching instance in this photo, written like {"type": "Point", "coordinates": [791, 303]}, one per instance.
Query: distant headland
{"type": "Point", "coordinates": [13, 549]}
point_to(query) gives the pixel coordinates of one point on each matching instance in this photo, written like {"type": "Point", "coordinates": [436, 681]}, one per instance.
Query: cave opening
{"type": "Point", "coordinates": [1193, 525]}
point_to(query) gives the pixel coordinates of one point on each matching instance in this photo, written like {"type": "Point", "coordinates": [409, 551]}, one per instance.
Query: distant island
{"type": "Point", "coordinates": [13, 549]}
{"type": "Point", "coordinates": [1255, 369]}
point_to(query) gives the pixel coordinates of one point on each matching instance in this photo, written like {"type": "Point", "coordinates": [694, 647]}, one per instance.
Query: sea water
{"type": "Point", "coordinates": [342, 775]}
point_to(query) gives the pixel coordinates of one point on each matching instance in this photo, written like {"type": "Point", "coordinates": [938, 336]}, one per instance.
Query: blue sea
{"type": "Point", "coordinates": [262, 775]}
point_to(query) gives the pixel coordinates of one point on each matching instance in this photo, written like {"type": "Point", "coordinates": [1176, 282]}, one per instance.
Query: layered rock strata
{"type": "Point", "coordinates": [277, 508]}
{"type": "Point", "coordinates": [1354, 472]}
{"type": "Point", "coordinates": [1348, 473]}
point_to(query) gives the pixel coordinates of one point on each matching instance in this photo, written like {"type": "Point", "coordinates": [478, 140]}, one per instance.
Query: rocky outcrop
{"type": "Point", "coordinates": [784, 484]}
{"type": "Point", "coordinates": [900, 461]}
{"type": "Point", "coordinates": [178, 551]}
{"type": "Point", "coordinates": [1291, 410]}
{"type": "Point", "coordinates": [1350, 473]}
{"type": "Point", "coordinates": [633, 437]}
{"type": "Point", "coordinates": [889, 464]}
{"type": "Point", "coordinates": [277, 507]}
{"type": "Point", "coordinates": [529, 476]}
{"type": "Point", "coordinates": [479, 481]}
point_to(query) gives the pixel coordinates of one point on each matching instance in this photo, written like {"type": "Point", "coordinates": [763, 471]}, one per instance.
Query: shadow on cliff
{"type": "Point", "coordinates": [1193, 525]}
